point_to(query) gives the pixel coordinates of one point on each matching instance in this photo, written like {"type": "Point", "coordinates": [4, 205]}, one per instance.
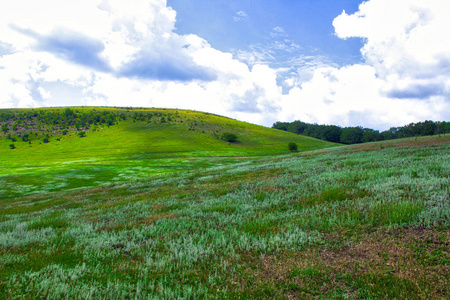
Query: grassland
{"type": "Point", "coordinates": [168, 142]}
{"type": "Point", "coordinates": [355, 222]}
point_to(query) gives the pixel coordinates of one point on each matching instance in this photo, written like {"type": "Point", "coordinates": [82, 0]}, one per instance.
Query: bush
{"type": "Point", "coordinates": [81, 134]}
{"type": "Point", "coordinates": [45, 140]}
{"type": "Point", "coordinates": [229, 137]}
{"type": "Point", "coordinates": [11, 146]}
{"type": "Point", "coordinates": [293, 146]}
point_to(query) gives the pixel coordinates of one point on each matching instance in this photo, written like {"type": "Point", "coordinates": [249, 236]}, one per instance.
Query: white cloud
{"type": "Point", "coordinates": [405, 76]}
{"type": "Point", "coordinates": [111, 52]}
{"type": "Point", "coordinates": [115, 53]}
{"type": "Point", "coordinates": [277, 32]}
{"type": "Point", "coordinates": [351, 96]}
{"type": "Point", "coordinates": [240, 15]}
{"type": "Point", "coordinates": [406, 42]}
{"type": "Point", "coordinates": [278, 29]}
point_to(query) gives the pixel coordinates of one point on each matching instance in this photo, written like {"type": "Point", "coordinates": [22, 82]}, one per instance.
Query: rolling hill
{"type": "Point", "coordinates": [123, 144]}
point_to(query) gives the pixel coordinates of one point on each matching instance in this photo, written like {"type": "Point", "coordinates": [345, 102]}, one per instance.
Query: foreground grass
{"type": "Point", "coordinates": [356, 222]}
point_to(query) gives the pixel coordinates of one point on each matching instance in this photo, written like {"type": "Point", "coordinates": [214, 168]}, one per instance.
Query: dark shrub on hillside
{"type": "Point", "coordinates": [81, 134]}
{"type": "Point", "coordinates": [293, 146]}
{"type": "Point", "coordinates": [229, 137]}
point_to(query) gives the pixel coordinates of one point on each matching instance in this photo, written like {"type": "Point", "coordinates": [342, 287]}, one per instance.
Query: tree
{"type": "Point", "coordinates": [429, 128]}
{"type": "Point", "coordinates": [331, 134]}
{"type": "Point", "coordinates": [229, 137]}
{"type": "Point", "coordinates": [292, 146]}
{"type": "Point", "coordinates": [26, 137]}
{"type": "Point", "coordinates": [68, 113]}
{"type": "Point", "coordinates": [281, 126]}
{"type": "Point", "coordinates": [313, 130]}
{"type": "Point", "coordinates": [443, 127]}
{"type": "Point", "coordinates": [297, 127]}
{"type": "Point", "coordinates": [352, 135]}
{"type": "Point", "coordinates": [370, 135]}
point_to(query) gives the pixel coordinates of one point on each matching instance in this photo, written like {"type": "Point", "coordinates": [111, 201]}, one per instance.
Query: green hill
{"type": "Point", "coordinates": [123, 144]}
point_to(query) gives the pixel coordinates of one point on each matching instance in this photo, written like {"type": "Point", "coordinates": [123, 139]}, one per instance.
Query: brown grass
{"type": "Point", "coordinates": [407, 254]}
{"type": "Point", "coordinates": [426, 141]}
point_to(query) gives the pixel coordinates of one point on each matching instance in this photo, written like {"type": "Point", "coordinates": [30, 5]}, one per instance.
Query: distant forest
{"type": "Point", "coordinates": [355, 135]}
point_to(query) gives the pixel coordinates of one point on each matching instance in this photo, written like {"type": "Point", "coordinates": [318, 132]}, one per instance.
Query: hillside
{"type": "Point", "coordinates": [370, 221]}
{"type": "Point", "coordinates": [122, 144]}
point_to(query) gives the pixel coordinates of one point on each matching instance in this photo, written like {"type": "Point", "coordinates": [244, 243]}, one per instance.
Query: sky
{"type": "Point", "coordinates": [375, 63]}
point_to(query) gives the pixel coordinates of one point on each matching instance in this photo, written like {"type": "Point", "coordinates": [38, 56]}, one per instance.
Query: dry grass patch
{"type": "Point", "coordinates": [400, 263]}
{"type": "Point", "coordinates": [427, 141]}
{"type": "Point", "coordinates": [153, 218]}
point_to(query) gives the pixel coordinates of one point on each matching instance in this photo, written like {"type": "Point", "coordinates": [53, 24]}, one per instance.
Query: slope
{"type": "Point", "coordinates": [133, 144]}
{"type": "Point", "coordinates": [352, 222]}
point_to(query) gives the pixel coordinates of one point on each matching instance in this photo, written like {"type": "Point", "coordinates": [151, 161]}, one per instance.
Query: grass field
{"type": "Point", "coordinates": [369, 221]}
{"type": "Point", "coordinates": [135, 150]}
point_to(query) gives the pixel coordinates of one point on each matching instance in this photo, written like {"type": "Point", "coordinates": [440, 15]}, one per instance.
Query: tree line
{"type": "Point", "coordinates": [355, 135]}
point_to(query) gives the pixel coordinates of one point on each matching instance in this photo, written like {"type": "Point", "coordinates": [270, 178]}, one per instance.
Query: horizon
{"type": "Point", "coordinates": [374, 63]}
{"type": "Point", "coordinates": [205, 112]}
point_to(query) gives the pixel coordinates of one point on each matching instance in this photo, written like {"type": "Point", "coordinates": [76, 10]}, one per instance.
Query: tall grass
{"type": "Point", "coordinates": [213, 232]}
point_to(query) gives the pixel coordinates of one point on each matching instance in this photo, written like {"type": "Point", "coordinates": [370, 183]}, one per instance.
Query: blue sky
{"type": "Point", "coordinates": [374, 63]}
{"type": "Point", "coordinates": [238, 25]}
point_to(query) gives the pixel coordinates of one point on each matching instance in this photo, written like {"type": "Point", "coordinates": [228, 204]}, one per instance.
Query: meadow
{"type": "Point", "coordinates": [235, 221]}
{"type": "Point", "coordinates": [151, 142]}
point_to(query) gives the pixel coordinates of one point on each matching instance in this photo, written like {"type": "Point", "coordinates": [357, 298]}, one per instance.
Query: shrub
{"type": "Point", "coordinates": [45, 140]}
{"type": "Point", "coordinates": [229, 137]}
{"type": "Point", "coordinates": [11, 146]}
{"type": "Point", "coordinates": [293, 146]}
{"type": "Point", "coordinates": [81, 134]}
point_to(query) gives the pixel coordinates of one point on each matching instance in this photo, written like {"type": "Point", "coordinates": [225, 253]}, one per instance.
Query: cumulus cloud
{"type": "Point", "coordinates": [108, 52]}
{"type": "Point", "coordinates": [70, 46]}
{"type": "Point", "coordinates": [404, 77]}
{"type": "Point", "coordinates": [406, 43]}
{"type": "Point", "coordinates": [352, 96]}
{"type": "Point", "coordinates": [111, 52]}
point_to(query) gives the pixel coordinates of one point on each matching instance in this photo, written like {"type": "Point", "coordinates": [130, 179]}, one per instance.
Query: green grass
{"type": "Point", "coordinates": [350, 222]}
{"type": "Point", "coordinates": [132, 150]}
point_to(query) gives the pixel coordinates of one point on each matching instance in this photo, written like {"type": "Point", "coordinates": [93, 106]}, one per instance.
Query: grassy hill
{"type": "Point", "coordinates": [148, 142]}
{"type": "Point", "coordinates": [369, 221]}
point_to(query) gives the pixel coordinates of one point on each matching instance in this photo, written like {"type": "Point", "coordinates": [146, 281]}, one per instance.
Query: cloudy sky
{"type": "Point", "coordinates": [376, 64]}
